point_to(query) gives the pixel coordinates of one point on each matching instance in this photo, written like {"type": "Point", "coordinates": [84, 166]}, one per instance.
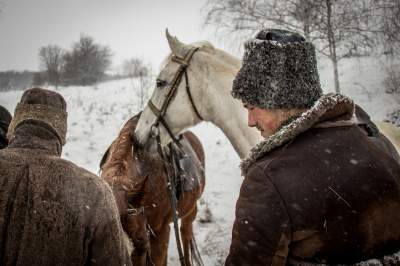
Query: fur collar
{"type": "Point", "coordinates": [330, 107]}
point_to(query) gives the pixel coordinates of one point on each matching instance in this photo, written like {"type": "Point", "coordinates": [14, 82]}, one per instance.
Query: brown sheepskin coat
{"type": "Point", "coordinates": [51, 211]}
{"type": "Point", "coordinates": [365, 122]}
{"type": "Point", "coordinates": [318, 191]}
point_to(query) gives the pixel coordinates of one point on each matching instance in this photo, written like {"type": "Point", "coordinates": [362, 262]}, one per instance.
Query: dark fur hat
{"type": "Point", "coordinates": [5, 118]}
{"type": "Point", "coordinates": [41, 105]}
{"type": "Point", "coordinates": [279, 71]}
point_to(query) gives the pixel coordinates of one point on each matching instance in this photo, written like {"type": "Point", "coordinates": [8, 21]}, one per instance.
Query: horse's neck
{"type": "Point", "coordinates": [122, 146]}
{"type": "Point", "coordinates": [241, 138]}
{"type": "Point", "coordinates": [228, 114]}
{"type": "Point", "coordinates": [122, 167]}
{"type": "Point", "coordinates": [234, 125]}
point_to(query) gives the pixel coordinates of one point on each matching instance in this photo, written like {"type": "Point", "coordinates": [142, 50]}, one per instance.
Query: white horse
{"type": "Point", "coordinates": [210, 73]}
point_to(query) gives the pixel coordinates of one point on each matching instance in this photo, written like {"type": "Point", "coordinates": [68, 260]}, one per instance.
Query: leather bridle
{"type": "Point", "coordinates": [182, 72]}
{"type": "Point", "coordinates": [132, 211]}
{"type": "Point", "coordinates": [170, 159]}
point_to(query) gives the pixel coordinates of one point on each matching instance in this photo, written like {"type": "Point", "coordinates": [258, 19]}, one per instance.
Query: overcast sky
{"type": "Point", "coordinates": [131, 28]}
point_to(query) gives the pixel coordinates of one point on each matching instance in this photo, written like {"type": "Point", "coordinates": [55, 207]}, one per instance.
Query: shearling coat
{"type": "Point", "coordinates": [318, 191]}
{"type": "Point", "coordinates": [53, 212]}
{"type": "Point", "coordinates": [365, 122]}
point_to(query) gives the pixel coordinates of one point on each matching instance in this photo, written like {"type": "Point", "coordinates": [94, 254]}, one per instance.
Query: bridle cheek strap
{"type": "Point", "coordinates": [191, 97]}
{"type": "Point", "coordinates": [182, 71]}
{"type": "Point", "coordinates": [160, 119]}
{"type": "Point", "coordinates": [184, 63]}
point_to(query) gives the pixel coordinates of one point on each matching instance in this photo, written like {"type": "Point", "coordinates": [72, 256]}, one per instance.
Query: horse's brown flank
{"type": "Point", "coordinates": [139, 181]}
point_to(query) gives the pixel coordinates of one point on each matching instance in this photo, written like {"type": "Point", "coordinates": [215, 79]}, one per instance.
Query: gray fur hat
{"type": "Point", "coordinates": [279, 71]}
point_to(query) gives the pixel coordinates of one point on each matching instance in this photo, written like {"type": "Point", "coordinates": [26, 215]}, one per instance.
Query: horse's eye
{"type": "Point", "coordinates": [161, 83]}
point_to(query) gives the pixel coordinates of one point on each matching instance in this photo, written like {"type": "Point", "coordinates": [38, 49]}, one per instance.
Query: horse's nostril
{"type": "Point", "coordinates": [141, 244]}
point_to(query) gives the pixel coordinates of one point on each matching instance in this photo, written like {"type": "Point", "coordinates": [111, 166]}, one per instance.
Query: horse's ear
{"type": "Point", "coordinates": [104, 158]}
{"type": "Point", "coordinates": [177, 47]}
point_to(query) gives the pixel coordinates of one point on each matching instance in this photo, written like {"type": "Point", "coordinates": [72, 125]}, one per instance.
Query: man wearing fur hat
{"type": "Point", "coordinates": [5, 119]}
{"type": "Point", "coordinates": [317, 190]}
{"type": "Point", "coordinates": [52, 212]}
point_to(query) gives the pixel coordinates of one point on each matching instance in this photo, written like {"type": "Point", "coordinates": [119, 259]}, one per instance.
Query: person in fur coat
{"type": "Point", "coordinates": [318, 190]}
{"type": "Point", "coordinates": [52, 212]}
{"type": "Point", "coordinates": [5, 119]}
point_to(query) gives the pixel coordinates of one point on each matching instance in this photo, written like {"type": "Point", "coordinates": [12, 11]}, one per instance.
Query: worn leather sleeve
{"type": "Point", "coordinates": [261, 231]}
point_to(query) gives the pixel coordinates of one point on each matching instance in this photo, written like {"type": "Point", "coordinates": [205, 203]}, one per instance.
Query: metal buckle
{"type": "Point", "coordinates": [135, 211]}
{"type": "Point", "coordinates": [154, 130]}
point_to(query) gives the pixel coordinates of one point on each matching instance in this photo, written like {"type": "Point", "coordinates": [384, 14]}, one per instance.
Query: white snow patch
{"type": "Point", "coordinates": [353, 161]}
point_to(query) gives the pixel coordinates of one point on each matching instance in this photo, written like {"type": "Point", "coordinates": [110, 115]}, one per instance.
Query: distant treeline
{"type": "Point", "coordinates": [15, 80]}
{"type": "Point", "coordinates": [84, 64]}
{"type": "Point", "coordinates": [21, 80]}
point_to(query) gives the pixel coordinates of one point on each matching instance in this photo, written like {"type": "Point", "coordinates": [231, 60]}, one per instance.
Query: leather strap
{"type": "Point", "coordinates": [182, 70]}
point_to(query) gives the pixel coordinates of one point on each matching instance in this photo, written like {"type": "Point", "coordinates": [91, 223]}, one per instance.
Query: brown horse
{"type": "Point", "coordinates": [140, 186]}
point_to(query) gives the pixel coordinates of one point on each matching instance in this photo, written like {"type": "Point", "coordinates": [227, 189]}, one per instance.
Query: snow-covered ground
{"type": "Point", "coordinates": [97, 113]}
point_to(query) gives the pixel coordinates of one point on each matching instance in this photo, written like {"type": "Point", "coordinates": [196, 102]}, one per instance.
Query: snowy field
{"type": "Point", "coordinates": [97, 113]}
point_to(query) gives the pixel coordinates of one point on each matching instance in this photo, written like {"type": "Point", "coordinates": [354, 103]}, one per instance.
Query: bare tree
{"type": "Point", "coordinates": [338, 28]}
{"type": "Point", "coordinates": [51, 61]}
{"type": "Point", "coordinates": [39, 78]}
{"type": "Point", "coordinates": [138, 70]}
{"type": "Point", "coordinates": [145, 79]}
{"type": "Point", "coordinates": [87, 62]}
{"type": "Point", "coordinates": [140, 74]}
{"type": "Point", "coordinates": [135, 67]}
{"type": "Point", "coordinates": [249, 16]}
{"type": "Point", "coordinates": [388, 19]}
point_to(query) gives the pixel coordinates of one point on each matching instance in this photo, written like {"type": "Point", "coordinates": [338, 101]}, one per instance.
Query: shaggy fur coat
{"type": "Point", "coordinates": [317, 191]}
{"type": "Point", "coordinates": [51, 211]}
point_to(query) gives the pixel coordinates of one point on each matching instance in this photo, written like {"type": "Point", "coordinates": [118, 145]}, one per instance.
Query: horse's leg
{"type": "Point", "coordinates": [187, 235]}
{"type": "Point", "coordinates": [159, 246]}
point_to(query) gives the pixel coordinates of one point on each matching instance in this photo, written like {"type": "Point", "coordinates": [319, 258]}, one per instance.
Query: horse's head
{"type": "Point", "coordinates": [180, 98]}
{"type": "Point", "coordinates": [138, 228]}
{"type": "Point", "coordinates": [125, 168]}
{"type": "Point", "coordinates": [139, 232]}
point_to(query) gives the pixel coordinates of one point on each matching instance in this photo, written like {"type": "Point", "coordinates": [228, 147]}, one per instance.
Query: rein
{"type": "Point", "coordinates": [169, 164]}
{"type": "Point", "coordinates": [182, 72]}
{"type": "Point", "coordinates": [149, 231]}
{"type": "Point", "coordinates": [170, 160]}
